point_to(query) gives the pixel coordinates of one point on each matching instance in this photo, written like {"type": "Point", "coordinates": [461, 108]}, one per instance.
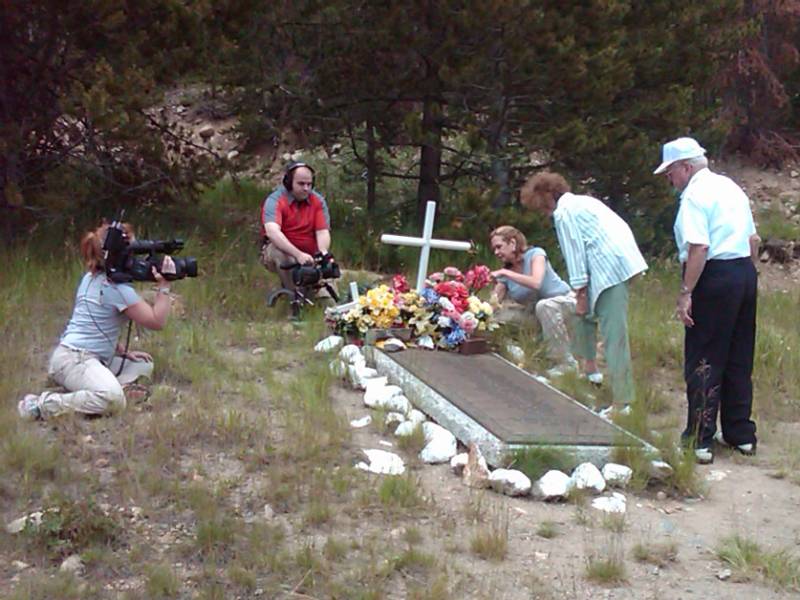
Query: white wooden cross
{"type": "Point", "coordinates": [426, 242]}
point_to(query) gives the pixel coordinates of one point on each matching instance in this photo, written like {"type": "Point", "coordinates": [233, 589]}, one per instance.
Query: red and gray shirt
{"type": "Point", "coordinates": [299, 220]}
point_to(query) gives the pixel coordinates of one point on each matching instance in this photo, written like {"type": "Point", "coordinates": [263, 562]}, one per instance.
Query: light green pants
{"type": "Point", "coordinates": [611, 315]}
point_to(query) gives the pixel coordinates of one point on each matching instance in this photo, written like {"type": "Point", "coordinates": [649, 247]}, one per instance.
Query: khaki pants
{"type": "Point", "coordinates": [554, 314]}
{"type": "Point", "coordinates": [92, 388]}
{"type": "Point", "coordinates": [272, 258]}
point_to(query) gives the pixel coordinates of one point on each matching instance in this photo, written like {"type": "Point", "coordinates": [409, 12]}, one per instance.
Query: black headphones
{"type": "Point", "coordinates": [288, 177]}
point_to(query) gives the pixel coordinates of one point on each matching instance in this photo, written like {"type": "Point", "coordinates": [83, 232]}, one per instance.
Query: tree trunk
{"type": "Point", "coordinates": [372, 167]}
{"type": "Point", "coordinates": [430, 164]}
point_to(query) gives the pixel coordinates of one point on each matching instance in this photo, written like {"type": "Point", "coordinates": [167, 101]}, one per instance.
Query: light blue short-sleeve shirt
{"type": "Point", "coordinates": [552, 284]}
{"type": "Point", "coordinates": [98, 315]}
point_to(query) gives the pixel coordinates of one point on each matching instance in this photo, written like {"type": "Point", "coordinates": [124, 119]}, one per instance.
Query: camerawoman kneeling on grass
{"type": "Point", "coordinates": [88, 360]}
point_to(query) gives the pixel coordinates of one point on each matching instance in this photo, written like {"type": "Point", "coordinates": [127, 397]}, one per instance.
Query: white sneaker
{"type": "Point", "coordinates": [703, 456]}
{"type": "Point", "coordinates": [746, 449]}
{"type": "Point", "coordinates": [609, 412]}
{"type": "Point", "coordinates": [596, 378]}
{"type": "Point", "coordinates": [28, 408]}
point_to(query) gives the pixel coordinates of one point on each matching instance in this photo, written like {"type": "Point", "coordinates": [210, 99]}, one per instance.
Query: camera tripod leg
{"type": "Point", "coordinates": [331, 291]}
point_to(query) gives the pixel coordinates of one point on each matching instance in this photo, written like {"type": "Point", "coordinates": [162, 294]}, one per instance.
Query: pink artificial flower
{"type": "Point", "coordinates": [478, 277]}
{"type": "Point", "coordinates": [454, 273]}
{"type": "Point", "coordinates": [468, 322]}
{"type": "Point", "coordinates": [400, 284]}
{"type": "Point", "coordinates": [436, 277]}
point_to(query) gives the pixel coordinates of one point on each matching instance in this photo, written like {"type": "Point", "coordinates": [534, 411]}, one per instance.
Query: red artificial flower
{"type": "Point", "coordinates": [478, 277]}
{"type": "Point", "coordinates": [454, 291]}
{"type": "Point", "coordinates": [400, 284]}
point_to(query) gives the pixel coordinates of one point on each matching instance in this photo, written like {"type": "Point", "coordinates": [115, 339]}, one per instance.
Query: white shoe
{"type": "Point", "coordinates": [746, 449]}
{"type": "Point", "coordinates": [596, 378]}
{"type": "Point", "coordinates": [609, 412]}
{"type": "Point", "coordinates": [28, 408]}
{"type": "Point", "coordinates": [703, 456]}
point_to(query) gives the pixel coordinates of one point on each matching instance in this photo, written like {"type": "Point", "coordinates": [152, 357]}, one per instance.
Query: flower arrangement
{"type": "Point", "coordinates": [447, 309]}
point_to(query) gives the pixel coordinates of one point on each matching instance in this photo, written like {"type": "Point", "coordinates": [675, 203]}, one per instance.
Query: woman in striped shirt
{"type": "Point", "coordinates": [601, 256]}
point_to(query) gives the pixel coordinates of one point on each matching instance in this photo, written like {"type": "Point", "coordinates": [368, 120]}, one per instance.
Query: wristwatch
{"type": "Point", "coordinates": [685, 290]}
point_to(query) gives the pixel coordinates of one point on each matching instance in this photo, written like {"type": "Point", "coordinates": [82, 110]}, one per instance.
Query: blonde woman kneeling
{"type": "Point", "coordinates": [528, 278]}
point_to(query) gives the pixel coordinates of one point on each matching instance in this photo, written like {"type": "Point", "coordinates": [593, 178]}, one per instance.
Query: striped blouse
{"type": "Point", "coordinates": [598, 246]}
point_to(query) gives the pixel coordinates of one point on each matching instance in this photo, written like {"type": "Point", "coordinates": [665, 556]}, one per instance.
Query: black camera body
{"type": "Point", "coordinates": [324, 267]}
{"type": "Point", "coordinates": [123, 265]}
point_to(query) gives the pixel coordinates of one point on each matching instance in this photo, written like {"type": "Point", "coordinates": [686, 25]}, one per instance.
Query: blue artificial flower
{"type": "Point", "coordinates": [455, 337]}
{"type": "Point", "coordinates": [429, 295]}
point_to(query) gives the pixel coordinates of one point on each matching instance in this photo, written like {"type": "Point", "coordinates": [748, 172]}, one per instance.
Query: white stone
{"type": "Point", "coordinates": [393, 345]}
{"type": "Point", "coordinates": [405, 429]}
{"type": "Point", "coordinates": [615, 503]}
{"type": "Point", "coordinates": [362, 422]}
{"type": "Point", "coordinates": [553, 485]}
{"type": "Point", "coordinates": [17, 525]}
{"type": "Point", "coordinates": [72, 564]}
{"type": "Point", "coordinates": [617, 475]}
{"type": "Point", "coordinates": [359, 374]}
{"type": "Point", "coordinates": [389, 397]}
{"type": "Point", "coordinates": [515, 352]}
{"type": "Point", "coordinates": [440, 444]}
{"type": "Point", "coordinates": [716, 475]}
{"type": "Point", "coordinates": [587, 477]}
{"type": "Point", "coordinates": [268, 513]}
{"type": "Point", "coordinates": [426, 342]}
{"type": "Point", "coordinates": [417, 416]}
{"type": "Point", "coordinates": [349, 353]}
{"type": "Point", "coordinates": [458, 462]}
{"type": "Point", "coordinates": [19, 565]}
{"type": "Point", "coordinates": [382, 463]}
{"type": "Point", "coordinates": [510, 482]}
{"type": "Point", "coordinates": [233, 154]}
{"type": "Point", "coordinates": [660, 470]}
{"type": "Point", "coordinates": [394, 417]}
{"type": "Point", "coordinates": [258, 351]}
{"type": "Point", "coordinates": [332, 342]}
{"type": "Point", "coordinates": [724, 574]}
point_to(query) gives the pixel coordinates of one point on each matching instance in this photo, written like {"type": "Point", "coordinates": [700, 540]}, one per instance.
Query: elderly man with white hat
{"type": "Point", "coordinates": [717, 247]}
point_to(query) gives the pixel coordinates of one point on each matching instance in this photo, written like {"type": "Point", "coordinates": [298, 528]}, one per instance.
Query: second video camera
{"type": "Point", "coordinates": [123, 266]}
{"type": "Point", "coordinates": [324, 267]}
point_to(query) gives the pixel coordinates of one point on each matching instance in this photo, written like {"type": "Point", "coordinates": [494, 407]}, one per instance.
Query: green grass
{"type": "Point", "coordinates": [749, 561]}
{"type": "Point", "coordinates": [489, 541]}
{"type": "Point", "coordinates": [226, 432]}
{"type": "Point", "coordinates": [535, 462]}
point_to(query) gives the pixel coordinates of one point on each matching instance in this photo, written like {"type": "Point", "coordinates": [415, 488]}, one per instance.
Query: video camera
{"type": "Point", "coordinates": [122, 265]}
{"type": "Point", "coordinates": [324, 267]}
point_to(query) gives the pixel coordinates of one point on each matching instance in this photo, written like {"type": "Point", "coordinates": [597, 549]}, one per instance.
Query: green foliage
{"type": "Point", "coordinates": [535, 462]}
{"type": "Point", "coordinates": [400, 491]}
{"type": "Point", "coordinates": [779, 568]}
{"type": "Point", "coordinates": [79, 80]}
{"type": "Point", "coordinates": [71, 526]}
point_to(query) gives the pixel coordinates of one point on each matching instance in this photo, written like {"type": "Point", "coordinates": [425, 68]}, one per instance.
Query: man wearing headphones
{"type": "Point", "coordinates": [295, 223]}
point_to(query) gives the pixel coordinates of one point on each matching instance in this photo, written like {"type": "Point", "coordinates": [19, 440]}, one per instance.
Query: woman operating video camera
{"type": "Point", "coordinates": [88, 361]}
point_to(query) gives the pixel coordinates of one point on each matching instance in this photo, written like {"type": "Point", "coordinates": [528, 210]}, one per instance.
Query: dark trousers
{"type": "Point", "coordinates": [718, 353]}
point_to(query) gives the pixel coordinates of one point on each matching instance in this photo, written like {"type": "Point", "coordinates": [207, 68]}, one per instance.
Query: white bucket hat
{"type": "Point", "coordinates": [679, 149]}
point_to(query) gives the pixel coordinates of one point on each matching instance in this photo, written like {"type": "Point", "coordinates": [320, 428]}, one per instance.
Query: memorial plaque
{"type": "Point", "coordinates": [488, 400]}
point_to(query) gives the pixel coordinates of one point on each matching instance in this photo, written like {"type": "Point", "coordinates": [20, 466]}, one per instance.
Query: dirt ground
{"type": "Point", "coordinates": [742, 498]}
